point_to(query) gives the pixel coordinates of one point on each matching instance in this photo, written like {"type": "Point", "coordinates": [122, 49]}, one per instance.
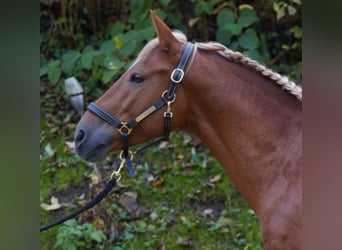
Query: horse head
{"type": "Point", "coordinates": [142, 84]}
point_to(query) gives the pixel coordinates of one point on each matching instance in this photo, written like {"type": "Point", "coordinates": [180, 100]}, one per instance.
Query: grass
{"type": "Point", "coordinates": [184, 199]}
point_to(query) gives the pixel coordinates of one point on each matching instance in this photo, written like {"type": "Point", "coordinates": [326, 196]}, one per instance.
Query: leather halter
{"type": "Point", "coordinates": [167, 98]}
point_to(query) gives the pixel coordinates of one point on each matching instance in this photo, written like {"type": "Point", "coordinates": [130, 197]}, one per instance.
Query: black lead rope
{"type": "Point", "coordinates": [109, 186]}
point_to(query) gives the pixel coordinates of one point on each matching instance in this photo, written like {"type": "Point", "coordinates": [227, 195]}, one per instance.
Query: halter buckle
{"type": "Point", "coordinates": [177, 75]}
{"type": "Point", "coordinates": [124, 129]}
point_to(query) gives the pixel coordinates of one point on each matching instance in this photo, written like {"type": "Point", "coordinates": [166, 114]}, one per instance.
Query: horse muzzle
{"type": "Point", "coordinates": [94, 141]}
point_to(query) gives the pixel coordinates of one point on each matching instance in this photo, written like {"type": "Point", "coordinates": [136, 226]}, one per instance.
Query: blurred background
{"type": "Point", "coordinates": [181, 198]}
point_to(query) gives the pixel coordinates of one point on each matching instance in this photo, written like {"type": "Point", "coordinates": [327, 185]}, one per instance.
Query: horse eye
{"type": "Point", "coordinates": [137, 78]}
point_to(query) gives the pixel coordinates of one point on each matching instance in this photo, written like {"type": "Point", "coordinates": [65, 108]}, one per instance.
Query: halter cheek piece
{"type": "Point", "coordinates": [167, 98]}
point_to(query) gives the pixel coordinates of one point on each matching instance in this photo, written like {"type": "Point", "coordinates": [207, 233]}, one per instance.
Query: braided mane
{"type": "Point", "coordinates": [235, 56]}
{"type": "Point", "coordinates": [283, 81]}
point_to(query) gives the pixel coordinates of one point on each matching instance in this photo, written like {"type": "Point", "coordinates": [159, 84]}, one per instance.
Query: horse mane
{"type": "Point", "coordinates": [283, 81]}
{"type": "Point", "coordinates": [235, 56]}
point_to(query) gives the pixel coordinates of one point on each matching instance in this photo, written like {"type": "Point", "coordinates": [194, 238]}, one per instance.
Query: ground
{"type": "Point", "coordinates": [180, 198]}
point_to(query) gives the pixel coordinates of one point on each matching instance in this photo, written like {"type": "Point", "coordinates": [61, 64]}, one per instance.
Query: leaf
{"type": "Point", "coordinates": [251, 211]}
{"type": "Point", "coordinates": [48, 149]}
{"type": "Point", "coordinates": [86, 60]}
{"type": "Point", "coordinates": [140, 226]}
{"type": "Point", "coordinates": [128, 235]}
{"type": "Point", "coordinates": [70, 144]}
{"type": "Point", "coordinates": [107, 47]}
{"type": "Point", "coordinates": [216, 178]}
{"type": "Point", "coordinates": [53, 206]}
{"type": "Point", "coordinates": [54, 63]}
{"type": "Point", "coordinates": [279, 8]}
{"type": "Point", "coordinates": [224, 221]}
{"type": "Point", "coordinates": [249, 39]}
{"type": "Point", "coordinates": [129, 48]}
{"type": "Point", "coordinates": [117, 28]}
{"type": "Point", "coordinates": [182, 241]}
{"type": "Point", "coordinates": [59, 242]}
{"type": "Point", "coordinates": [234, 28]}
{"type": "Point", "coordinates": [291, 10]}
{"type": "Point", "coordinates": [247, 17]}
{"type": "Point", "coordinates": [162, 14]}
{"type": "Point", "coordinates": [245, 6]}
{"type": "Point", "coordinates": [193, 21]}
{"type": "Point", "coordinates": [97, 236]}
{"type": "Point", "coordinates": [107, 75]}
{"type": "Point", "coordinates": [72, 247]}
{"type": "Point", "coordinates": [87, 49]}
{"type": "Point", "coordinates": [129, 201]}
{"type": "Point", "coordinates": [165, 2]}
{"type": "Point", "coordinates": [234, 45]}
{"type": "Point", "coordinates": [225, 17]}
{"type": "Point", "coordinates": [158, 183]}
{"type": "Point", "coordinates": [154, 216]}
{"type": "Point", "coordinates": [297, 32]}
{"type": "Point", "coordinates": [87, 57]}
{"type": "Point", "coordinates": [54, 74]}
{"type": "Point", "coordinates": [208, 213]}
{"type": "Point", "coordinates": [67, 67]}
{"type": "Point", "coordinates": [69, 60]}
{"type": "Point", "coordinates": [253, 54]}
{"type": "Point", "coordinates": [113, 63]}
{"type": "Point", "coordinates": [285, 47]}
{"type": "Point", "coordinates": [148, 33]}
{"type": "Point", "coordinates": [224, 36]}
{"type": "Point", "coordinates": [44, 70]}
{"type": "Point", "coordinates": [137, 16]}
{"type": "Point", "coordinates": [203, 7]}
{"type": "Point", "coordinates": [133, 36]}
{"type": "Point", "coordinates": [118, 42]}
{"type": "Point", "coordinates": [71, 56]}
{"type": "Point", "coordinates": [297, 1]}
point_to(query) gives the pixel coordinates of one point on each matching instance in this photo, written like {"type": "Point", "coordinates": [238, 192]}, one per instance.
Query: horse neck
{"type": "Point", "coordinates": [247, 121]}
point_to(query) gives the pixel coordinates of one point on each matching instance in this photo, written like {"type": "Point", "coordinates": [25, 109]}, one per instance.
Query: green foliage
{"type": "Point", "coordinates": [236, 26]}
{"type": "Point", "coordinates": [102, 63]}
{"type": "Point", "coordinates": [73, 236]}
{"type": "Point", "coordinates": [236, 31]}
{"type": "Point", "coordinates": [287, 7]}
{"type": "Point", "coordinates": [204, 7]}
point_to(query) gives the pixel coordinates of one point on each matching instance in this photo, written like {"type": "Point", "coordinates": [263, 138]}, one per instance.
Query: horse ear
{"type": "Point", "coordinates": [166, 39]}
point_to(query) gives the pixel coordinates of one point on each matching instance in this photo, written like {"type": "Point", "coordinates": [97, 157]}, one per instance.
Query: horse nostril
{"type": "Point", "coordinates": [80, 135]}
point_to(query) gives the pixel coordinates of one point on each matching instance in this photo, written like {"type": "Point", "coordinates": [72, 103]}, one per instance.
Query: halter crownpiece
{"type": "Point", "coordinates": [167, 98]}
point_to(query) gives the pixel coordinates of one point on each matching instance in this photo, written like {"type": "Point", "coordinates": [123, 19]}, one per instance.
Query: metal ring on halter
{"type": "Point", "coordinates": [130, 153]}
{"type": "Point", "coordinates": [124, 129]}
{"type": "Point", "coordinates": [173, 98]}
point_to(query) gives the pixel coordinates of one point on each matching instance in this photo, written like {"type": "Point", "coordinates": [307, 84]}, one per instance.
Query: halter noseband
{"type": "Point", "coordinates": [167, 98]}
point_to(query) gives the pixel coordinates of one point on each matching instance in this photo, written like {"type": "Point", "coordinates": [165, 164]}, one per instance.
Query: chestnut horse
{"type": "Point", "coordinates": [247, 115]}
